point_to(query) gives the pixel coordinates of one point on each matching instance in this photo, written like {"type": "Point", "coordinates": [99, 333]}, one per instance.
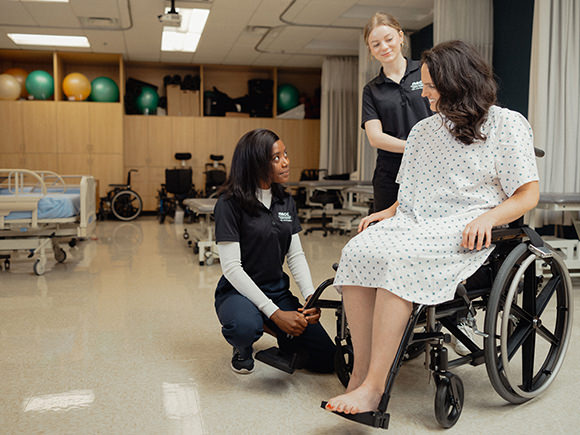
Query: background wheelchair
{"type": "Point", "coordinates": [524, 288]}
{"type": "Point", "coordinates": [121, 201]}
{"type": "Point", "coordinates": [177, 187]}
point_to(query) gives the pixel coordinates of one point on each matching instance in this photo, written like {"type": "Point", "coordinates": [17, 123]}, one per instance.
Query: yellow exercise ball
{"type": "Point", "coordinates": [9, 87]}
{"type": "Point", "coordinates": [76, 86]}
{"type": "Point", "coordinates": [20, 75]}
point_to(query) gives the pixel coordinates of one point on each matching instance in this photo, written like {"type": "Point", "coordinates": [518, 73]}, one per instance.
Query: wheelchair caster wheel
{"type": "Point", "coordinates": [185, 234]}
{"type": "Point", "coordinates": [6, 265]}
{"type": "Point", "coordinates": [38, 268]}
{"type": "Point", "coordinates": [60, 255]}
{"type": "Point", "coordinates": [448, 399]}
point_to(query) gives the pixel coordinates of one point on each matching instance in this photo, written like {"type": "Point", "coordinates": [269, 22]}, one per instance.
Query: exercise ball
{"type": "Point", "coordinates": [9, 87]}
{"type": "Point", "coordinates": [20, 75]}
{"type": "Point", "coordinates": [147, 101]}
{"type": "Point", "coordinates": [104, 90]}
{"type": "Point", "coordinates": [76, 86]}
{"type": "Point", "coordinates": [287, 97]}
{"type": "Point", "coordinates": [40, 85]}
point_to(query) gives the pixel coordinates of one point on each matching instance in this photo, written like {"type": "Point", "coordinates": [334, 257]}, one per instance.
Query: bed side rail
{"type": "Point", "coordinates": [20, 190]}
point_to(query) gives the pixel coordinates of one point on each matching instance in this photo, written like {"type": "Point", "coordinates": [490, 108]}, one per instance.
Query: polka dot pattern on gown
{"type": "Point", "coordinates": [444, 185]}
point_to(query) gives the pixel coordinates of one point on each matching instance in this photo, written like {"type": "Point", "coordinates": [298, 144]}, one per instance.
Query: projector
{"type": "Point", "coordinates": [172, 19]}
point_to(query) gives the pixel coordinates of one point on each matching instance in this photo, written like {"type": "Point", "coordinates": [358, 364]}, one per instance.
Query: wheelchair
{"type": "Point", "coordinates": [215, 175]}
{"type": "Point", "coordinates": [177, 187]}
{"type": "Point", "coordinates": [525, 290]}
{"type": "Point", "coordinates": [121, 201]}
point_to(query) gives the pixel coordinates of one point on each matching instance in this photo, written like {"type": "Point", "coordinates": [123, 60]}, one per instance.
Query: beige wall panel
{"type": "Point", "coordinates": [108, 169]}
{"type": "Point", "coordinates": [39, 126]}
{"type": "Point", "coordinates": [12, 161]}
{"type": "Point", "coordinates": [11, 127]}
{"type": "Point", "coordinates": [72, 127]}
{"type": "Point", "coordinates": [135, 141]}
{"type": "Point", "coordinates": [74, 164]}
{"type": "Point", "coordinates": [106, 127]}
{"type": "Point", "coordinates": [160, 142]}
{"type": "Point", "coordinates": [41, 161]}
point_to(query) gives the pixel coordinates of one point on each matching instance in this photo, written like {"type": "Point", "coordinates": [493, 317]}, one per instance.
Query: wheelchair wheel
{"type": "Point", "coordinates": [448, 399]}
{"type": "Point", "coordinates": [344, 361]}
{"type": "Point", "coordinates": [529, 320]}
{"type": "Point", "coordinates": [126, 205]}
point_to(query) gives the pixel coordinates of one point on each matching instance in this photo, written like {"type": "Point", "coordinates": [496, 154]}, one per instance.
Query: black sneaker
{"type": "Point", "coordinates": [241, 365]}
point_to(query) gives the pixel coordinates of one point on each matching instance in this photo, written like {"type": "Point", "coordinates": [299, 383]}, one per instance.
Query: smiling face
{"type": "Point", "coordinates": [385, 43]}
{"type": "Point", "coordinates": [280, 163]}
{"type": "Point", "coordinates": [429, 89]}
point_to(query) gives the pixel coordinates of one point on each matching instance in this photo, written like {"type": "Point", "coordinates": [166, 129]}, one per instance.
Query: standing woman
{"type": "Point", "coordinates": [392, 104]}
{"type": "Point", "coordinates": [257, 230]}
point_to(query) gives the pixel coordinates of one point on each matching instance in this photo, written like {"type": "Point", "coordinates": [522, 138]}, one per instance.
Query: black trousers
{"type": "Point", "coordinates": [385, 188]}
{"type": "Point", "coordinates": [243, 324]}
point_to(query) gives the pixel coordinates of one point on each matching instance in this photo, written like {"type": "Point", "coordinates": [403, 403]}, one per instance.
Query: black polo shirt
{"type": "Point", "coordinates": [399, 106]}
{"type": "Point", "coordinates": [264, 239]}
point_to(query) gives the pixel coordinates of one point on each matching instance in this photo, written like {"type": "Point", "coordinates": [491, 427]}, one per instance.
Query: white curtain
{"type": "Point", "coordinates": [368, 68]}
{"type": "Point", "coordinates": [338, 115]}
{"type": "Point", "coordinates": [554, 104]}
{"type": "Point", "coordinates": [468, 20]}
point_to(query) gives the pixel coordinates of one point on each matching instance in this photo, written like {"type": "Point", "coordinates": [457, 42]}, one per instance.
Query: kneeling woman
{"type": "Point", "coordinates": [256, 230]}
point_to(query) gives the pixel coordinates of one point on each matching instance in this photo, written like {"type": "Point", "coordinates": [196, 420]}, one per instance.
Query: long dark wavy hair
{"type": "Point", "coordinates": [251, 165]}
{"type": "Point", "coordinates": [466, 87]}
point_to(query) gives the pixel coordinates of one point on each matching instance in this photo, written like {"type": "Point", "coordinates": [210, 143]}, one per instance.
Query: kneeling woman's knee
{"type": "Point", "coordinates": [243, 329]}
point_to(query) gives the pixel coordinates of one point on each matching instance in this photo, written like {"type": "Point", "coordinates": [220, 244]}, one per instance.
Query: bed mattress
{"type": "Point", "coordinates": [53, 205]}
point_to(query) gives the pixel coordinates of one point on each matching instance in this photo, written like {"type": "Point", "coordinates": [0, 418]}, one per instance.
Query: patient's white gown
{"type": "Point", "coordinates": [444, 185]}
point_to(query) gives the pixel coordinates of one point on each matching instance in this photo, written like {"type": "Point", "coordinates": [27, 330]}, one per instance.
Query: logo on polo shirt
{"type": "Point", "coordinates": [284, 216]}
{"type": "Point", "coordinates": [415, 86]}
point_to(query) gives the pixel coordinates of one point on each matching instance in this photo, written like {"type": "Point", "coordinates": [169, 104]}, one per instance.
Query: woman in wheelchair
{"type": "Point", "coordinates": [467, 169]}
{"type": "Point", "coordinates": [256, 230]}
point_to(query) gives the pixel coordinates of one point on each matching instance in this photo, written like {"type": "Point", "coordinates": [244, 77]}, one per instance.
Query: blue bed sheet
{"type": "Point", "coordinates": [54, 205]}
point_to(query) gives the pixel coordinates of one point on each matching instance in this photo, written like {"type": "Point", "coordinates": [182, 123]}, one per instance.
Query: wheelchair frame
{"type": "Point", "coordinates": [507, 283]}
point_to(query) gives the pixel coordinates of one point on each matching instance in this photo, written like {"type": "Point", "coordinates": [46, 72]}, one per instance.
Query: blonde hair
{"type": "Point", "coordinates": [381, 19]}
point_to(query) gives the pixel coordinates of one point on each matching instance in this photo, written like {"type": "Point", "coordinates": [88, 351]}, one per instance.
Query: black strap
{"type": "Point", "coordinates": [533, 236]}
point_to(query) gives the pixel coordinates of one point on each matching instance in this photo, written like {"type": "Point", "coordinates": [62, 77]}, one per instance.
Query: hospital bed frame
{"type": "Point", "coordinates": [27, 188]}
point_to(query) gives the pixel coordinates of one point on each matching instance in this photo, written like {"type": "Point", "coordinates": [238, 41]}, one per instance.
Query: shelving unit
{"type": "Point", "coordinates": [99, 139]}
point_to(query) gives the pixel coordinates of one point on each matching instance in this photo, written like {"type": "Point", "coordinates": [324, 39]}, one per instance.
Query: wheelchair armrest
{"type": "Point", "coordinates": [502, 234]}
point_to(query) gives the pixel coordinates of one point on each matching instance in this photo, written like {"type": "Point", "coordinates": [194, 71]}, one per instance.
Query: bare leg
{"type": "Point", "coordinates": [390, 317]}
{"type": "Point", "coordinates": [359, 305]}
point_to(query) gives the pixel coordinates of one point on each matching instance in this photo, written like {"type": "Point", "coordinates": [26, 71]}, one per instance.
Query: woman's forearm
{"type": "Point", "coordinates": [523, 200]}
{"type": "Point", "coordinates": [379, 139]}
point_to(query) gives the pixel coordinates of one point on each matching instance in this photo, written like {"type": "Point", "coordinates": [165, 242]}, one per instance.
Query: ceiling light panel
{"type": "Point", "coordinates": [49, 40]}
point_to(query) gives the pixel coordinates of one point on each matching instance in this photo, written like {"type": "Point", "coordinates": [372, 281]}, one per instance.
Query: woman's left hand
{"type": "Point", "coordinates": [477, 231]}
{"type": "Point", "coordinates": [312, 315]}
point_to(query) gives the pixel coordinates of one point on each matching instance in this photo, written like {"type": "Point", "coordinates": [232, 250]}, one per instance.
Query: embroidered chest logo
{"type": "Point", "coordinates": [415, 86]}
{"type": "Point", "coordinates": [284, 216]}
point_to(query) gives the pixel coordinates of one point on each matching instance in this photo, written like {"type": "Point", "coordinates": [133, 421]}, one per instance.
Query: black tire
{"type": "Point", "coordinates": [448, 406]}
{"type": "Point", "coordinates": [60, 255]}
{"type": "Point", "coordinates": [523, 354]}
{"type": "Point", "coordinates": [126, 205]}
{"type": "Point", "coordinates": [344, 362]}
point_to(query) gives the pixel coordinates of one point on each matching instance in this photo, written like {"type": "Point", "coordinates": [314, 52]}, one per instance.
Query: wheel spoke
{"type": "Point", "coordinates": [518, 337]}
{"type": "Point", "coordinates": [528, 352]}
{"type": "Point", "coordinates": [546, 294]}
{"type": "Point", "coordinates": [546, 334]}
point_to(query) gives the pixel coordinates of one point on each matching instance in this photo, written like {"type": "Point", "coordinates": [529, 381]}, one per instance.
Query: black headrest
{"type": "Point", "coordinates": [216, 158]}
{"type": "Point", "coordinates": [182, 156]}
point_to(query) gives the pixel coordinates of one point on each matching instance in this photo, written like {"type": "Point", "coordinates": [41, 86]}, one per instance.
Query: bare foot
{"type": "Point", "coordinates": [362, 399]}
{"type": "Point", "coordinates": [353, 383]}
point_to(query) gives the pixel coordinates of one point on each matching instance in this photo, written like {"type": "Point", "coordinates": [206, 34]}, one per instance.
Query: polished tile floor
{"type": "Point", "coordinates": [123, 339]}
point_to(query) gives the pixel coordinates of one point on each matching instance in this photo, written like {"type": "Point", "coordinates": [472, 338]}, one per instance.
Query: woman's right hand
{"type": "Point", "coordinates": [291, 322]}
{"type": "Point", "coordinates": [377, 217]}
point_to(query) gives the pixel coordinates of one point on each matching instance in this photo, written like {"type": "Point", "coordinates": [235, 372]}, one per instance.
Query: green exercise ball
{"type": "Point", "coordinates": [147, 101]}
{"type": "Point", "coordinates": [40, 85]}
{"type": "Point", "coordinates": [288, 97]}
{"type": "Point", "coordinates": [104, 90]}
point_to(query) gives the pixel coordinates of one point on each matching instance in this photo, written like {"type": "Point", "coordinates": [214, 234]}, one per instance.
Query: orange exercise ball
{"type": "Point", "coordinates": [9, 87]}
{"type": "Point", "coordinates": [76, 86]}
{"type": "Point", "coordinates": [20, 75]}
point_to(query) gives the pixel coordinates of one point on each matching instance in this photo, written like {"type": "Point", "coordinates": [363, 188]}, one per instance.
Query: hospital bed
{"type": "Point", "coordinates": [41, 208]}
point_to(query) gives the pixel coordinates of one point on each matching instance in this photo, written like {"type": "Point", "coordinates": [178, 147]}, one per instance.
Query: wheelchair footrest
{"type": "Point", "coordinates": [370, 418]}
{"type": "Point", "coordinates": [275, 358]}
